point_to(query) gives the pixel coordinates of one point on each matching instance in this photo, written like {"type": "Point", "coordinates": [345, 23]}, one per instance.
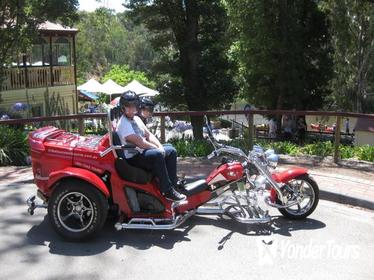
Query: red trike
{"type": "Point", "coordinates": [82, 179]}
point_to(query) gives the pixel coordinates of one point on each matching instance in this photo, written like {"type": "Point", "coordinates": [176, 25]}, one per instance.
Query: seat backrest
{"type": "Point", "coordinates": [117, 142]}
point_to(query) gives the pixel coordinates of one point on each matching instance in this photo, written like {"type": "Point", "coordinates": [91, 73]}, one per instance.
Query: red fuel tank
{"type": "Point", "coordinates": [225, 173]}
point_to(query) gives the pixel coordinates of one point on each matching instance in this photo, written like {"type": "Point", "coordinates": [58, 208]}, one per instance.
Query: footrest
{"type": "Point", "coordinates": [176, 204]}
{"type": "Point", "coordinates": [194, 187]}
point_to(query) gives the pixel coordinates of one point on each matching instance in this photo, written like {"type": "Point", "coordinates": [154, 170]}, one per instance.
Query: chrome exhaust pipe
{"type": "Point", "coordinates": [145, 223]}
{"type": "Point", "coordinates": [253, 220]}
{"type": "Point", "coordinates": [209, 211]}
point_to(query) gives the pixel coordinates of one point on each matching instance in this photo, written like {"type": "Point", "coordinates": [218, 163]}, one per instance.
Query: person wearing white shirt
{"type": "Point", "coordinates": [149, 153]}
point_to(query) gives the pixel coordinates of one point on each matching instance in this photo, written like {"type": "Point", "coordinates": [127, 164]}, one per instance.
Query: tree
{"type": "Point", "coordinates": [192, 39]}
{"type": "Point", "coordinates": [19, 21]}
{"type": "Point", "coordinates": [352, 25]}
{"type": "Point", "coordinates": [283, 52]}
{"type": "Point", "coordinates": [107, 39]}
{"type": "Point", "coordinates": [122, 75]}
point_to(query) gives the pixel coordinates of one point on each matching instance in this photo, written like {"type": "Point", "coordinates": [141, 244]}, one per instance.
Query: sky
{"type": "Point", "coordinates": [91, 5]}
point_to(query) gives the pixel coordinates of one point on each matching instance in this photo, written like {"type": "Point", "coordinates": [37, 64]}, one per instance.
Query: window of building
{"type": "Point", "coordinates": [36, 55]}
{"type": "Point", "coordinates": [61, 52]}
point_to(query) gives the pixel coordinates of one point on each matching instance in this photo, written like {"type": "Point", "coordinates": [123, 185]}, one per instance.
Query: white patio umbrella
{"type": "Point", "coordinates": [140, 90]}
{"type": "Point", "coordinates": [91, 86]}
{"type": "Point", "coordinates": [110, 87]}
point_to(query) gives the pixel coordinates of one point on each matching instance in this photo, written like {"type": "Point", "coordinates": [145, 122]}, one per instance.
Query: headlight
{"type": "Point", "coordinates": [258, 149]}
{"type": "Point", "coordinates": [273, 160]}
{"type": "Point", "coordinates": [269, 152]}
{"type": "Point", "coordinates": [260, 182]}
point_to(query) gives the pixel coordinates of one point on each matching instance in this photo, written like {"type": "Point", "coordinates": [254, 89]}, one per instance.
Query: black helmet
{"type": "Point", "coordinates": [146, 103]}
{"type": "Point", "coordinates": [129, 98]}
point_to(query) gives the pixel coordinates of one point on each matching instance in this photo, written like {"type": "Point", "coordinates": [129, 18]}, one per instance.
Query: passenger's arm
{"type": "Point", "coordinates": [152, 138]}
{"type": "Point", "coordinates": [140, 142]}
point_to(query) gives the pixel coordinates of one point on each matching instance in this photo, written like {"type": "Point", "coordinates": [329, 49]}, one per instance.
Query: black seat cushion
{"type": "Point", "coordinates": [194, 187]}
{"type": "Point", "coordinates": [125, 170]}
{"type": "Point", "coordinates": [130, 173]}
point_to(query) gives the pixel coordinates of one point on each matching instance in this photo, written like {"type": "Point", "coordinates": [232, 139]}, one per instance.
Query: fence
{"type": "Point", "coordinates": [35, 77]}
{"type": "Point", "coordinates": [249, 117]}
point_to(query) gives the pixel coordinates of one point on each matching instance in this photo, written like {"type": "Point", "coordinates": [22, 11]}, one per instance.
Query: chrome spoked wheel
{"type": "Point", "coordinates": [75, 212]}
{"type": "Point", "coordinates": [303, 193]}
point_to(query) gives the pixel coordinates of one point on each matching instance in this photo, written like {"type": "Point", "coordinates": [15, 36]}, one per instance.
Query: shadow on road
{"type": "Point", "coordinates": [43, 234]}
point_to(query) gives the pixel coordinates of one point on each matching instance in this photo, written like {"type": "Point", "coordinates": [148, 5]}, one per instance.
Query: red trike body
{"type": "Point", "coordinates": [58, 155]}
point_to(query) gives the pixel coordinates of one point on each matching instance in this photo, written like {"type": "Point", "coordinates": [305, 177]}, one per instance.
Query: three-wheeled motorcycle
{"type": "Point", "coordinates": [82, 179]}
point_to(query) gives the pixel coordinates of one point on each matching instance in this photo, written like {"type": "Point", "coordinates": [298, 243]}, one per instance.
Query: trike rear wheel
{"type": "Point", "coordinates": [77, 210]}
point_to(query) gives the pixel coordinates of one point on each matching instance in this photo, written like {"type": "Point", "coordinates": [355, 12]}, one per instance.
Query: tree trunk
{"type": "Point", "coordinates": [189, 53]}
{"type": "Point", "coordinates": [184, 20]}
{"type": "Point", "coordinates": [197, 123]}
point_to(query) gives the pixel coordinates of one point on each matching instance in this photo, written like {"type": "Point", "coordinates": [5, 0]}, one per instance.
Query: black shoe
{"type": "Point", "coordinates": [173, 195]}
{"type": "Point", "coordinates": [181, 183]}
{"type": "Point", "coordinates": [179, 187]}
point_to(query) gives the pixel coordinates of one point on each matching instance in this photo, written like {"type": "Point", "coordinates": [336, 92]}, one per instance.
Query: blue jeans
{"type": "Point", "coordinates": [163, 168]}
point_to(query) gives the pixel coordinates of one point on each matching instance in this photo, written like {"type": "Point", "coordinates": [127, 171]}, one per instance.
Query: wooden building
{"type": "Point", "coordinates": [45, 77]}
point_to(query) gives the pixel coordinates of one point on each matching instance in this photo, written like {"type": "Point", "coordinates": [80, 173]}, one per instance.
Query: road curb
{"type": "Point", "coordinates": [315, 161]}
{"type": "Point", "coordinates": [345, 199]}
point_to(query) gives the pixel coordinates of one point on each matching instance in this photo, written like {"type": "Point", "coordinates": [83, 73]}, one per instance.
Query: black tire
{"type": "Point", "coordinates": [311, 206]}
{"type": "Point", "coordinates": [77, 210]}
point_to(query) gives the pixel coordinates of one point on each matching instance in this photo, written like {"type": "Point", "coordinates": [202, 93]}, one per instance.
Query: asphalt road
{"type": "Point", "coordinates": [336, 242]}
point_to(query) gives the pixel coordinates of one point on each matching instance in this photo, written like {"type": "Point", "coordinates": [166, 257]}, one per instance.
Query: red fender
{"type": "Point", "coordinates": [79, 173]}
{"type": "Point", "coordinates": [287, 175]}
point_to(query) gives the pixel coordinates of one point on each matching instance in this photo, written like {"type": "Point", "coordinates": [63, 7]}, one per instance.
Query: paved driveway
{"type": "Point", "coordinates": [335, 243]}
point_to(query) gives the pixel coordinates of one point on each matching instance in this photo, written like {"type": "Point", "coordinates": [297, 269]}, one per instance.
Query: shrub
{"type": "Point", "coordinates": [192, 148]}
{"type": "Point", "coordinates": [13, 146]}
{"type": "Point", "coordinates": [347, 151]}
{"type": "Point", "coordinates": [285, 148]}
{"type": "Point", "coordinates": [195, 148]}
{"type": "Point", "coordinates": [322, 149]}
{"type": "Point", "coordinates": [365, 153]}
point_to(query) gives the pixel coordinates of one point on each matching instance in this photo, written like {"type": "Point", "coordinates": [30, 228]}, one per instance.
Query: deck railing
{"type": "Point", "coordinates": [248, 114]}
{"type": "Point", "coordinates": [37, 77]}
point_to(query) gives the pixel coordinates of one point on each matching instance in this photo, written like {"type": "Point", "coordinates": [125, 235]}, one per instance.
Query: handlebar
{"type": "Point", "coordinates": [257, 154]}
{"type": "Point", "coordinates": [212, 155]}
{"type": "Point", "coordinates": [229, 150]}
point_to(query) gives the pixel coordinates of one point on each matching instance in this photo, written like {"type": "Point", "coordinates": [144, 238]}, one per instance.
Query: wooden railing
{"type": "Point", "coordinates": [36, 77]}
{"type": "Point", "coordinates": [14, 79]}
{"type": "Point", "coordinates": [63, 75]}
